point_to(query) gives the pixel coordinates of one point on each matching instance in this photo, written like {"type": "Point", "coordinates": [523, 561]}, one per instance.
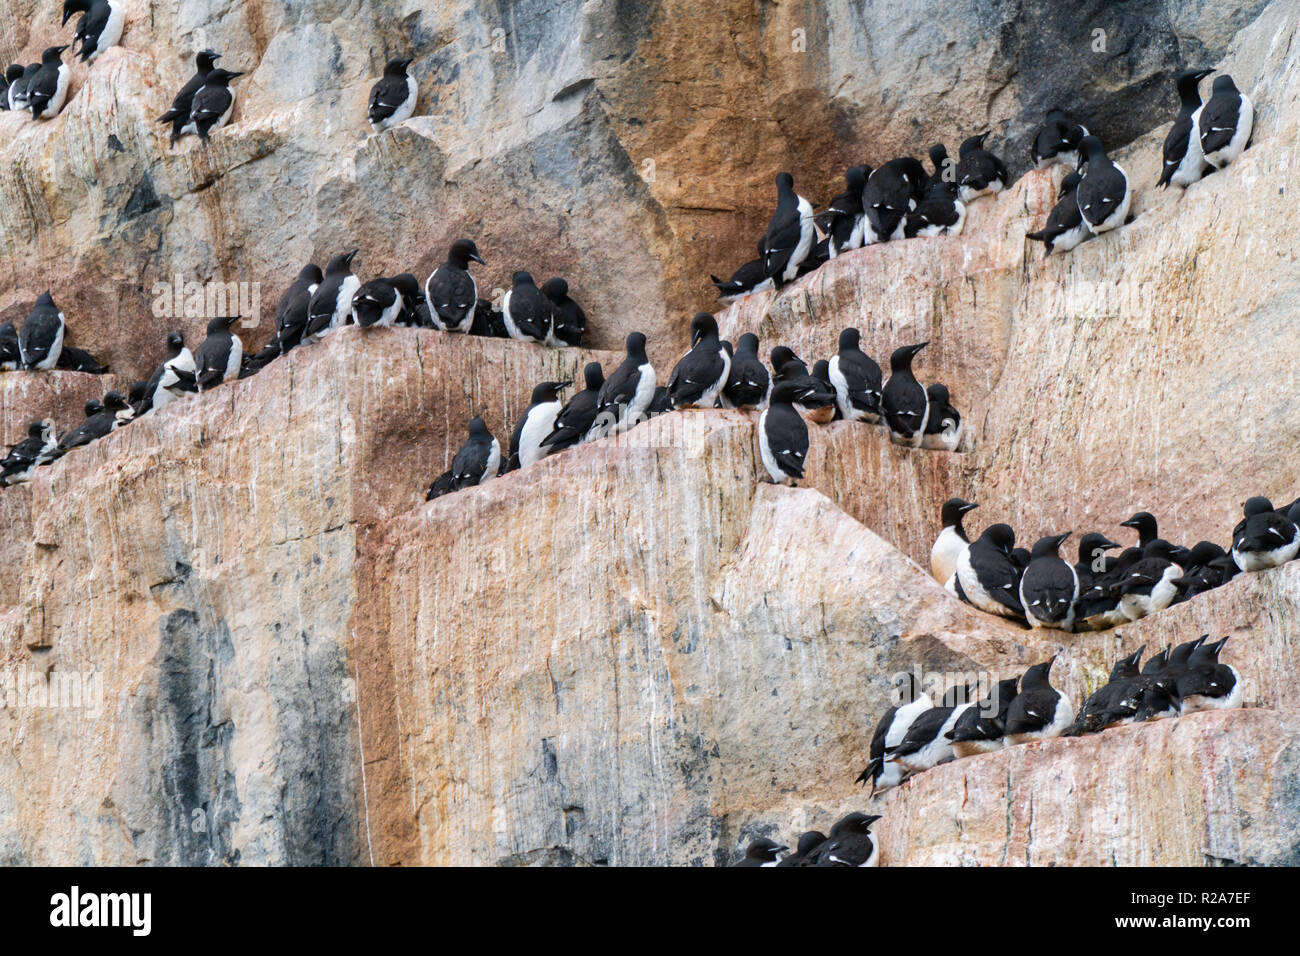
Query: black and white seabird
{"type": "Point", "coordinates": [576, 418]}
{"type": "Point", "coordinates": [845, 214]}
{"type": "Point", "coordinates": [393, 98]}
{"type": "Point", "coordinates": [1264, 539]}
{"type": "Point", "coordinates": [1103, 195]}
{"type": "Point", "coordinates": [220, 356]}
{"type": "Point", "coordinates": [816, 401]}
{"type": "Point", "coordinates": [1207, 684]}
{"type": "Point", "coordinates": [179, 114]}
{"type": "Point", "coordinates": [701, 374]}
{"type": "Point", "coordinates": [626, 395]}
{"type": "Point", "coordinates": [952, 541]}
{"type": "Point", "coordinates": [856, 379]}
{"type": "Point", "coordinates": [97, 424]}
{"type": "Point", "coordinates": [1144, 523]}
{"type": "Point", "coordinates": [568, 321]}
{"type": "Point", "coordinates": [790, 234]}
{"type": "Point", "coordinates": [751, 277]}
{"type": "Point", "coordinates": [1065, 227]}
{"type": "Point", "coordinates": [478, 460]}
{"type": "Point", "coordinates": [1116, 702]}
{"type": "Point", "coordinates": [1148, 586]}
{"type": "Point", "coordinates": [943, 421]}
{"type": "Point", "coordinates": [1039, 711]}
{"type": "Point", "coordinates": [526, 311]}
{"type": "Point", "coordinates": [927, 742]}
{"type": "Point", "coordinates": [79, 360]}
{"type": "Point", "coordinates": [904, 403]}
{"type": "Point", "coordinates": [212, 104]}
{"type": "Point", "coordinates": [940, 213]}
{"type": "Point", "coordinates": [11, 357]}
{"type": "Point", "coordinates": [13, 73]}
{"type": "Point", "coordinates": [166, 385]}
{"type": "Point", "coordinates": [40, 341]}
{"type": "Point", "coordinates": [892, 191]}
{"type": "Point", "coordinates": [1200, 573]}
{"type": "Point", "coordinates": [1092, 558]}
{"type": "Point", "coordinates": [783, 435]}
{"type": "Point", "coordinates": [292, 312]}
{"type": "Point", "coordinates": [1057, 141]}
{"type": "Point", "coordinates": [18, 87]}
{"type": "Point", "coordinates": [444, 484]}
{"type": "Point", "coordinates": [979, 172]}
{"type": "Point", "coordinates": [762, 852]}
{"type": "Point", "coordinates": [848, 844]}
{"type": "Point", "coordinates": [100, 27]}
{"type": "Point", "coordinates": [331, 303]}
{"type": "Point", "coordinates": [1184, 163]}
{"type": "Point", "coordinates": [1225, 122]}
{"type": "Point", "coordinates": [30, 453]}
{"type": "Point", "coordinates": [535, 425]}
{"type": "Point", "coordinates": [748, 381]}
{"type": "Point", "coordinates": [988, 577]}
{"type": "Point", "coordinates": [452, 291]}
{"type": "Point", "coordinates": [1049, 586]}
{"type": "Point", "coordinates": [980, 729]}
{"type": "Point", "coordinates": [945, 169]}
{"type": "Point", "coordinates": [890, 731]}
{"type": "Point", "coordinates": [47, 91]}
{"type": "Point", "coordinates": [379, 302]}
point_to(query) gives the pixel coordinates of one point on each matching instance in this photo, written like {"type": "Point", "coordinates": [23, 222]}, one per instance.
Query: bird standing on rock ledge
{"type": "Point", "coordinates": [393, 98]}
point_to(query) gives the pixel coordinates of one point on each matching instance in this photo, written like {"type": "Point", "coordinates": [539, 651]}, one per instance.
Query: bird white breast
{"type": "Point", "coordinates": [343, 304]}
{"type": "Point", "coordinates": [112, 30]}
{"type": "Point", "coordinates": [234, 359]}
{"type": "Point", "coordinates": [1263, 560]}
{"type": "Point", "coordinates": [841, 386]}
{"type": "Point", "coordinates": [765, 452]}
{"type": "Point", "coordinates": [1062, 718]}
{"type": "Point", "coordinates": [511, 329]}
{"type": "Point", "coordinates": [641, 398]}
{"type": "Point", "coordinates": [404, 111]}
{"type": "Point", "coordinates": [1070, 238]}
{"type": "Point", "coordinates": [806, 235]}
{"type": "Point", "coordinates": [946, 440]}
{"type": "Point", "coordinates": [948, 547]}
{"type": "Point", "coordinates": [493, 463]}
{"type": "Point", "coordinates": [974, 591]}
{"type": "Point", "coordinates": [1190, 169]}
{"type": "Point", "coordinates": [904, 717]}
{"type": "Point", "coordinates": [390, 314]}
{"type": "Point", "coordinates": [537, 426]}
{"type": "Point", "coordinates": [56, 349]}
{"type": "Point", "coordinates": [60, 93]}
{"type": "Point", "coordinates": [1117, 217]}
{"type": "Point", "coordinates": [1240, 137]}
{"type": "Point", "coordinates": [710, 396]}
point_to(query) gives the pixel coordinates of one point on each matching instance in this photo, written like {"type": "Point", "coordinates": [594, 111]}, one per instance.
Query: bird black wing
{"type": "Point", "coordinates": [210, 104]}
{"type": "Point", "coordinates": [1049, 588]}
{"type": "Point", "coordinates": [470, 463]}
{"type": "Point", "coordinates": [787, 439]}
{"type": "Point", "coordinates": [573, 422]}
{"type": "Point", "coordinates": [1100, 193]}
{"type": "Point", "coordinates": [991, 565]}
{"type": "Point", "coordinates": [1175, 149]}
{"type": "Point", "coordinates": [452, 294]}
{"type": "Point", "coordinates": [1218, 121]}
{"type": "Point", "coordinates": [386, 96]}
{"type": "Point", "coordinates": [693, 375]}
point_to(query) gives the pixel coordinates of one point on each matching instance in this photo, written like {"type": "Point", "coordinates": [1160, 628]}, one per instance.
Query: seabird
{"type": "Point", "coordinates": [1057, 141]}
{"type": "Point", "coordinates": [751, 277]}
{"type": "Point", "coordinates": [1184, 163]}
{"type": "Point", "coordinates": [625, 397]}
{"type": "Point", "coordinates": [100, 27]}
{"type": "Point", "coordinates": [1039, 710]}
{"type": "Point", "coordinates": [927, 742]}
{"type": "Point", "coordinates": [762, 852]}
{"type": "Point", "coordinates": [212, 104]}
{"type": "Point", "coordinates": [535, 425]}
{"type": "Point", "coordinates": [979, 172]}
{"type": "Point", "coordinates": [48, 88]}
{"type": "Point", "coordinates": [26, 456]}
{"type": "Point", "coordinates": [790, 234]}
{"type": "Point", "coordinates": [379, 302]}
{"type": "Point", "coordinates": [940, 213]}
{"type": "Point", "coordinates": [79, 360]}
{"type": "Point", "coordinates": [568, 321]}
{"type": "Point", "coordinates": [1225, 123]}
{"type": "Point", "coordinates": [701, 374]}
{"type": "Point", "coordinates": [987, 575]}
{"type": "Point", "coordinates": [526, 311]}
{"type": "Point", "coordinates": [892, 191]}
{"type": "Point", "coordinates": [219, 357]}
{"type": "Point", "coordinates": [849, 843]}
{"type": "Point", "coordinates": [1065, 227]}
{"type": "Point", "coordinates": [10, 355]}
{"type": "Point", "coordinates": [748, 381]}
{"type": "Point", "coordinates": [331, 302]}
{"type": "Point", "coordinates": [889, 733]}
{"type": "Point", "coordinates": [1265, 538]}
{"type": "Point", "coordinates": [904, 402]}
{"type": "Point", "coordinates": [479, 458]}
{"type": "Point", "coordinates": [845, 222]}
{"type": "Point", "coordinates": [40, 341]}
{"type": "Point", "coordinates": [452, 291]}
{"type": "Point", "coordinates": [980, 729]}
{"type": "Point", "coordinates": [856, 379]}
{"type": "Point", "coordinates": [292, 312]}
{"type": "Point", "coordinates": [1116, 702]}
{"type": "Point", "coordinates": [1207, 684]}
{"type": "Point", "coordinates": [576, 418]}
{"type": "Point", "coordinates": [179, 115]}
{"type": "Point", "coordinates": [1049, 586]}
{"type": "Point", "coordinates": [1103, 194]}
{"type": "Point", "coordinates": [1148, 586]}
{"type": "Point", "coordinates": [952, 541]}
{"type": "Point", "coordinates": [98, 423]}
{"type": "Point", "coordinates": [943, 421]}
{"type": "Point", "coordinates": [807, 845]}
{"type": "Point", "coordinates": [392, 99]}
{"type": "Point", "coordinates": [782, 434]}
{"type": "Point", "coordinates": [1144, 523]}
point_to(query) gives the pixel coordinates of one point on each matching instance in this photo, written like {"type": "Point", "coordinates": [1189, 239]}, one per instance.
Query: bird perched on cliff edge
{"type": "Point", "coordinates": [99, 28]}
{"type": "Point", "coordinates": [212, 104]}
{"type": "Point", "coordinates": [904, 402]}
{"type": "Point", "coordinates": [698, 378]}
{"type": "Point", "coordinates": [979, 172]}
{"type": "Point", "coordinates": [1057, 141]}
{"type": "Point", "coordinates": [179, 114]}
{"type": "Point", "coordinates": [951, 541]}
{"type": "Point", "coordinates": [1065, 227]}
{"type": "Point", "coordinates": [1184, 163]}
{"type": "Point", "coordinates": [220, 355]}
{"type": "Point", "coordinates": [452, 291]}
{"type": "Point", "coordinates": [575, 419]}
{"type": "Point", "coordinates": [1039, 711]}
{"type": "Point", "coordinates": [40, 341]}
{"type": "Point", "coordinates": [331, 303]}
{"type": "Point", "coordinates": [790, 233]}
{"type": "Point", "coordinates": [47, 90]}
{"type": "Point", "coordinates": [1225, 122]}
{"type": "Point", "coordinates": [626, 395]}
{"type": "Point", "coordinates": [1103, 194]}
{"type": "Point", "coordinates": [478, 460]}
{"type": "Point", "coordinates": [393, 98]}
{"type": "Point", "coordinates": [783, 435]}
{"type": "Point", "coordinates": [535, 425]}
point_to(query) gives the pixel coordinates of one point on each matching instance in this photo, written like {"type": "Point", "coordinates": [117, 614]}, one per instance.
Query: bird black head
{"type": "Point", "coordinates": [175, 341]}
{"type": "Point", "coordinates": [855, 177]}
{"type": "Point", "coordinates": [45, 300]}
{"type": "Point", "coordinates": [1144, 523]}
{"type": "Point", "coordinates": [765, 850]}
{"type": "Point", "coordinates": [1093, 546]}
{"type": "Point", "coordinates": [1127, 666]}
{"type": "Point", "coordinates": [73, 6]}
{"type": "Point", "coordinates": [463, 252]}
{"type": "Point", "coordinates": [635, 345]}
{"type": "Point", "coordinates": [781, 356]}
{"type": "Point", "coordinates": [93, 407]}
{"type": "Point", "coordinates": [938, 154]}
{"type": "Point", "coordinates": [784, 182]}
{"type": "Point", "coordinates": [1257, 505]}
{"type": "Point", "coordinates": [938, 394]}
{"type": "Point", "coordinates": [594, 376]}
{"type": "Point", "coordinates": [902, 357]}
{"type": "Point", "coordinates": [747, 344]}
{"type": "Point", "coordinates": [548, 391]}
{"type": "Point", "coordinates": [1159, 548]}
{"type": "Point", "coordinates": [137, 391]}
{"type": "Point", "coordinates": [222, 77]}
{"type": "Point", "coordinates": [786, 393]}
{"type": "Point", "coordinates": [222, 323]}
{"type": "Point", "coordinates": [1069, 184]}
{"type": "Point", "coordinates": [556, 289]}
{"type": "Point", "coordinates": [522, 278]}
{"type": "Point", "coordinates": [206, 60]}
{"type": "Point", "coordinates": [703, 326]}
{"type": "Point", "coordinates": [397, 67]}
{"type": "Point", "coordinates": [1187, 81]}
{"type": "Point", "coordinates": [407, 285]}
{"type": "Point", "coordinates": [1001, 537]}
{"type": "Point", "coordinates": [310, 273]}
{"type": "Point", "coordinates": [1156, 662]}
{"type": "Point", "coordinates": [341, 263]}
{"type": "Point", "coordinates": [14, 72]}
{"type": "Point", "coordinates": [953, 509]}
{"type": "Point", "coordinates": [1223, 85]}
{"type": "Point", "coordinates": [854, 823]}
{"type": "Point", "coordinates": [972, 143]}
{"type": "Point", "coordinates": [1204, 552]}
{"type": "Point", "coordinates": [114, 401]}
{"type": "Point", "coordinates": [1091, 147]}
{"type": "Point", "coordinates": [1038, 675]}
{"type": "Point", "coordinates": [810, 841]}
{"type": "Point", "coordinates": [849, 339]}
{"type": "Point", "coordinates": [53, 54]}
{"type": "Point", "coordinates": [1048, 545]}
{"type": "Point", "coordinates": [36, 429]}
{"type": "Point", "coordinates": [478, 428]}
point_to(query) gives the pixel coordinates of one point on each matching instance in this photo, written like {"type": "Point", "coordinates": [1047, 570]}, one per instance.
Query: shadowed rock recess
{"type": "Point", "coordinates": [635, 652]}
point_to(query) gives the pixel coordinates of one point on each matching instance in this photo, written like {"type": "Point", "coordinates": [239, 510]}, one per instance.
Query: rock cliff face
{"type": "Point", "coordinates": [233, 632]}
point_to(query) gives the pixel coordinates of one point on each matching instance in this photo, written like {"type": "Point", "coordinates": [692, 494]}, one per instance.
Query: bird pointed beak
{"type": "Point", "coordinates": [968, 506]}
{"type": "Point", "coordinates": [66, 14]}
{"type": "Point", "coordinates": [352, 255]}
{"type": "Point", "coordinates": [475, 257]}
